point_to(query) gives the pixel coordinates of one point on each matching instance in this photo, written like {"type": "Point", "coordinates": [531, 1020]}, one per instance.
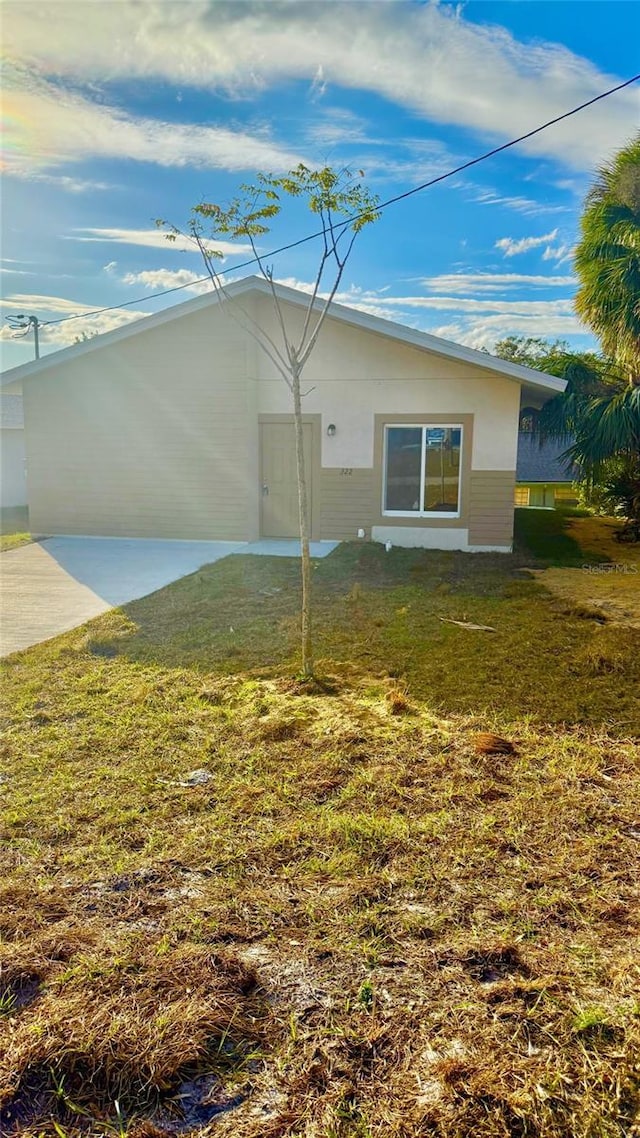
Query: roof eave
{"type": "Point", "coordinates": [389, 328]}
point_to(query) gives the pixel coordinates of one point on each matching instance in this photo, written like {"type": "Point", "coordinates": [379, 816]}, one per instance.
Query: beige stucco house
{"type": "Point", "coordinates": [179, 426]}
{"type": "Point", "coordinates": [13, 482]}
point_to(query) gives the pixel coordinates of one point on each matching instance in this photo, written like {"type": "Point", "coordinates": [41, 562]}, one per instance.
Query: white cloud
{"type": "Point", "coordinates": [8, 333]}
{"type": "Point", "coordinates": [319, 84]}
{"type": "Point", "coordinates": [526, 206]}
{"type": "Point", "coordinates": [64, 181]}
{"type": "Point", "coordinates": [337, 126]}
{"type": "Point", "coordinates": [560, 253]}
{"type": "Point", "coordinates": [513, 247]}
{"type": "Point", "coordinates": [404, 308]}
{"type": "Point", "coordinates": [153, 239]}
{"type": "Point", "coordinates": [476, 321]}
{"type": "Point", "coordinates": [159, 279]}
{"type": "Point", "coordinates": [363, 301]}
{"type": "Point", "coordinates": [425, 57]}
{"type": "Point", "coordinates": [55, 307]}
{"type": "Point", "coordinates": [493, 282]}
{"type": "Point", "coordinates": [480, 304]}
{"type": "Point", "coordinates": [41, 303]}
{"type": "Point", "coordinates": [50, 125]}
{"type": "Point", "coordinates": [414, 161]}
{"type": "Point", "coordinates": [62, 335]}
{"type": "Point", "coordinates": [344, 138]}
{"type": "Point", "coordinates": [484, 332]}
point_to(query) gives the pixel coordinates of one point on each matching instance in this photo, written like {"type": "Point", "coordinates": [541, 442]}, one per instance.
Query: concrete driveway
{"type": "Point", "coordinates": [51, 586]}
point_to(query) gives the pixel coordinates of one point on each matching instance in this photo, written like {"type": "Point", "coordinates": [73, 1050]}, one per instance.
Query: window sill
{"type": "Point", "coordinates": [421, 515]}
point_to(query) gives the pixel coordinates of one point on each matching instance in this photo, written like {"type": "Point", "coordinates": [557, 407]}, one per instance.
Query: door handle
{"type": "Point", "coordinates": [265, 490]}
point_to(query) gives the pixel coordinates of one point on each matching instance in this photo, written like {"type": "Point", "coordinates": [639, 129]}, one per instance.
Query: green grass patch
{"type": "Point", "coordinates": [546, 535]}
{"type": "Point", "coordinates": [350, 921]}
{"type": "Point", "coordinates": [14, 527]}
{"type": "Point", "coordinates": [388, 612]}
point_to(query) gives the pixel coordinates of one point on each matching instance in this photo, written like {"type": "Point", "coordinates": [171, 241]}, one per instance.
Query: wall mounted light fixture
{"type": "Point", "coordinates": [331, 430]}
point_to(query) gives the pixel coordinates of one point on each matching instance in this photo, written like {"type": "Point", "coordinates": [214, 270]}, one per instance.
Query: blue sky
{"type": "Point", "coordinates": [120, 112]}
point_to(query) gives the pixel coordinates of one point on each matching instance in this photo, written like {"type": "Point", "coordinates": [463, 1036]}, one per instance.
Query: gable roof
{"type": "Point", "coordinates": [539, 382]}
{"type": "Point", "coordinates": [543, 462]}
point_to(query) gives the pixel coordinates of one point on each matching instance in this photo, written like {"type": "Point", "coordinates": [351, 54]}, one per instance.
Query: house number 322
{"type": "Point", "coordinates": [346, 470]}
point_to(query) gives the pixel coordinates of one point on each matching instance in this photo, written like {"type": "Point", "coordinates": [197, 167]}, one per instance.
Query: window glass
{"type": "Point", "coordinates": [521, 496]}
{"type": "Point", "coordinates": [404, 463]}
{"type": "Point", "coordinates": [442, 469]}
{"type": "Point", "coordinates": [528, 419]}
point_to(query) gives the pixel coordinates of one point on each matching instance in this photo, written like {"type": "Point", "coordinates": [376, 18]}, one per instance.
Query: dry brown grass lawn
{"type": "Point", "coordinates": [351, 921]}
{"type": "Point", "coordinates": [597, 535]}
{"type": "Point", "coordinates": [613, 586]}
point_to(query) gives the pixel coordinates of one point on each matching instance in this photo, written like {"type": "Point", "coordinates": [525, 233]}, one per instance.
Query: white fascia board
{"type": "Point", "coordinates": [433, 344]}
{"type": "Point", "coordinates": [106, 339]}
{"type": "Point", "coordinates": [387, 328]}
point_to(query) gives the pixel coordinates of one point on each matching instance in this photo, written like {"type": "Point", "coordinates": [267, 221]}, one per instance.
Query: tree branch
{"type": "Point", "coordinates": [316, 286]}
{"type": "Point", "coordinates": [268, 346]}
{"type": "Point", "coordinates": [321, 319]}
{"type": "Point", "coordinates": [268, 276]}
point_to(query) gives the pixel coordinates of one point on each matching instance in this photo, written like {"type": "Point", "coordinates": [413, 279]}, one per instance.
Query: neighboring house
{"type": "Point", "coordinates": [179, 426]}
{"type": "Point", "coordinates": [543, 478]}
{"type": "Point", "coordinates": [13, 481]}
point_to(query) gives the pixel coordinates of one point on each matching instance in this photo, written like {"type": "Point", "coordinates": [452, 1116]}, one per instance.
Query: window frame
{"type": "Point", "coordinates": [424, 427]}
{"type": "Point", "coordinates": [566, 492]}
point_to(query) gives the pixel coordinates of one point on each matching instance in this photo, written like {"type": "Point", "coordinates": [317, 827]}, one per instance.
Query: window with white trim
{"type": "Point", "coordinates": [422, 470]}
{"type": "Point", "coordinates": [566, 493]}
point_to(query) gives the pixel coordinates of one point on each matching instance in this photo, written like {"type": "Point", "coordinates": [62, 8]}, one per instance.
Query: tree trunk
{"type": "Point", "coordinates": [307, 646]}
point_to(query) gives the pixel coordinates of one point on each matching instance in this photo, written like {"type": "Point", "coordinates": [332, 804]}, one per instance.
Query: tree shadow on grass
{"type": "Point", "coordinates": [545, 534]}
{"type": "Point", "coordinates": [377, 615]}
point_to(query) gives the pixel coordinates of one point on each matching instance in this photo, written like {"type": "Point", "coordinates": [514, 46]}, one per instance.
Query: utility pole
{"type": "Point", "coordinates": [24, 324]}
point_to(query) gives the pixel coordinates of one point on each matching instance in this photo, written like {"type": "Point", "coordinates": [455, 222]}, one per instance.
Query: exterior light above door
{"type": "Point", "coordinates": [331, 430]}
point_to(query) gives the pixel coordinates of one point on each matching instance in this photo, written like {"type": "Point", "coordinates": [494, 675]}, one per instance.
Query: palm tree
{"type": "Point", "coordinates": [607, 259]}
{"type": "Point", "coordinates": [600, 410]}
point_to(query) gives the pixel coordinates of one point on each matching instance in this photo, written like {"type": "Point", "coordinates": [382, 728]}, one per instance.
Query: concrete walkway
{"type": "Point", "coordinates": [52, 586]}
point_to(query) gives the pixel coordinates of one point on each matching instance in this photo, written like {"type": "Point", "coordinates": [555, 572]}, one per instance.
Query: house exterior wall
{"type": "Point", "coordinates": [154, 436]}
{"type": "Point", "coordinates": [373, 381]}
{"type": "Point", "coordinates": [543, 477]}
{"type": "Point", "coordinates": [157, 434]}
{"type": "Point", "coordinates": [491, 508]}
{"type": "Point", "coordinates": [545, 495]}
{"type": "Point", "coordinates": [358, 374]}
{"type": "Point", "coordinates": [13, 482]}
{"type": "Point", "coordinates": [347, 502]}
{"type": "Point", "coordinates": [12, 468]}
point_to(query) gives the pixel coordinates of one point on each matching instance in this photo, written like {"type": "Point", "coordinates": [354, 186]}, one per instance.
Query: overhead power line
{"type": "Point", "coordinates": [22, 325]}
{"type": "Point", "coordinates": [379, 208]}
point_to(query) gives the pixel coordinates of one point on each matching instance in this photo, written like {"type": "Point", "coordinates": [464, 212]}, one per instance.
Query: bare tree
{"type": "Point", "coordinates": [342, 207]}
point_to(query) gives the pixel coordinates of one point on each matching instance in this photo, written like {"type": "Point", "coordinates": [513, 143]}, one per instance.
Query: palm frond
{"type": "Point", "coordinates": [607, 258]}
{"type": "Point", "coordinates": [560, 418]}
{"type": "Point", "coordinates": [607, 426]}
